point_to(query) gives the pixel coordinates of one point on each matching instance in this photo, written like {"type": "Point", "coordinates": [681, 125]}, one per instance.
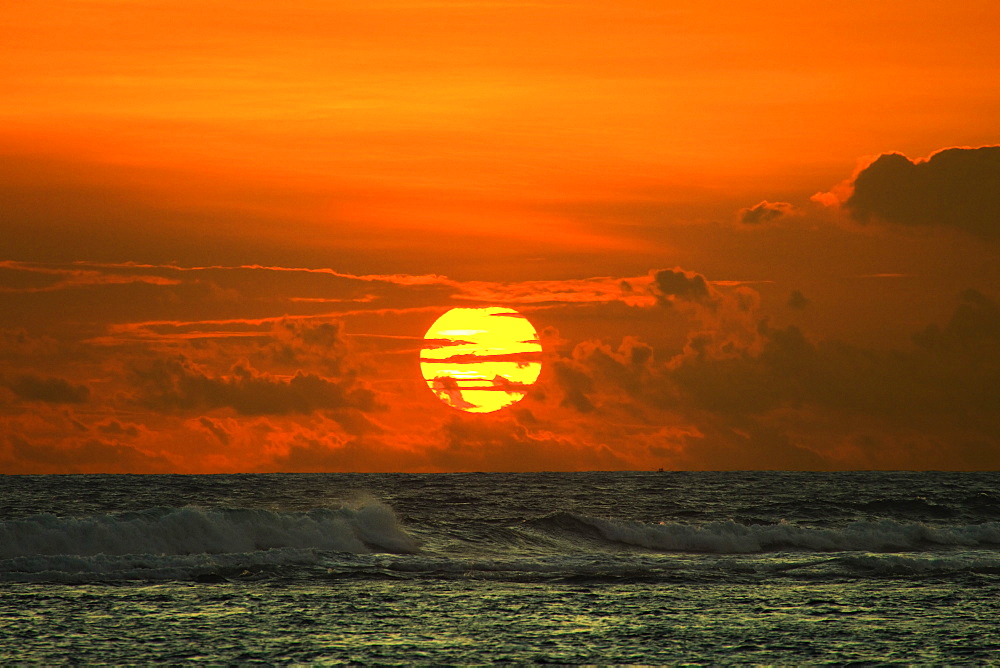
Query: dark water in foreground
{"type": "Point", "coordinates": [600, 568]}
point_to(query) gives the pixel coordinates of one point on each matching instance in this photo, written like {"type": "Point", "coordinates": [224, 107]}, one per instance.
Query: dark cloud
{"type": "Point", "coordinates": [790, 370]}
{"type": "Point", "coordinates": [31, 387]}
{"type": "Point", "coordinates": [740, 393]}
{"type": "Point", "coordinates": [751, 446]}
{"type": "Point", "coordinates": [485, 443]}
{"type": "Point", "coordinates": [677, 283]}
{"type": "Point", "coordinates": [594, 364]}
{"type": "Point", "coordinates": [90, 456]}
{"type": "Point", "coordinates": [797, 300]}
{"type": "Point", "coordinates": [316, 341]}
{"type": "Point", "coordinates": [594, 375]}
{"type": "Point", "coordinates": [116, 428]}
{"type": "Point", "coordinates": [956, 187]}
{"type": "Point", "coordinates": [20, 342]}
{"type": "Point", "coordinates": [765, 212]}
{"type": "Point", "coordinates": [955, 374]}
{"type": "Point", "coordinates": [311, 454]}
{"type": "Point", "coordinates": [963, 359]}
{"type": "Point", "coordinates": [448, 389]}
{"type": "Point", "coordinates": [576, 383]}
{"type": "Point", "coordinates": [788, 400]}
{"type": "Point", "coordinates": [215, 428]}
{"type": "Point", "coordinates": [975, 325]}
{"type": "Point", "coordinates": [176, 383]}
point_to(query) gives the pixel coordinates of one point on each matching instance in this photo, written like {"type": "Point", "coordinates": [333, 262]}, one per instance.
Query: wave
{"type": "Point", "coordinates": [897, 564]}
{"type": "Point", "coordinates": [367, 541]}
{"type": "Point", "coordinates": [69, 568]}
{"type": "Point", "coordinates": [917, 506]}
{"type": "Point", "coordinates": [370, 527]}
{"type": "Point", "coordinates": [730, 537]}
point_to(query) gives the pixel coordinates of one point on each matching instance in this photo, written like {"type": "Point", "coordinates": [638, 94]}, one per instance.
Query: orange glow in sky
{"type": "Point", "coordinates": [737, 229]}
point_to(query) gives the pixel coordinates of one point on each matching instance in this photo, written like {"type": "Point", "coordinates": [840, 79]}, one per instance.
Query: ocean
{"type": "Point", "coordinates": [485, 568]}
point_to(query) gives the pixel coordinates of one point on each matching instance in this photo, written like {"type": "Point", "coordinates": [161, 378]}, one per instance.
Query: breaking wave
{"type": "Point", "coordinates": [367, 541]}
{"type": "Point", "coordinates": [732, 537]}
{"type": "Point", "coordinates": [371, 527]}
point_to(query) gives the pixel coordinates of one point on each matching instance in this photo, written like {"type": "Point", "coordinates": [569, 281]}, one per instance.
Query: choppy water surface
{"type": "Point", "coordinates": [480, 568]}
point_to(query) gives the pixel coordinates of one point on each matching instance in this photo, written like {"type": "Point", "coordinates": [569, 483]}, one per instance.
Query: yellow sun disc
{"type": "Point", "coordinates": [481, 359]}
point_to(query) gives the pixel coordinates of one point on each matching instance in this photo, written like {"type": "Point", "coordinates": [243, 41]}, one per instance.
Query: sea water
{"type": "Point", "coordinates": [593, 568]}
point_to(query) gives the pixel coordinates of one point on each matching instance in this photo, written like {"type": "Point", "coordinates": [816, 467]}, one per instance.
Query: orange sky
{"type": "Point", "coordinates": [224, 228]}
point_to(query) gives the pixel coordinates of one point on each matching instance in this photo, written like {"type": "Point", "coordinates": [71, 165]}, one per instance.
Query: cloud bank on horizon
{"type": "Point", "coordinates": [128, 367]}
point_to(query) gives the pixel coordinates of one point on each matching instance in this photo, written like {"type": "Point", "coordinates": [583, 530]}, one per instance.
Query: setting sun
{"type": "Point", "coordinates": [480, 359]}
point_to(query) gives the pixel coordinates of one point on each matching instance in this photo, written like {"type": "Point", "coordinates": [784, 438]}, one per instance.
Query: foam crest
{"type": "Point", "coordinates": [731, 537]}
{"type": "Point", "coordinates": [371, 527]}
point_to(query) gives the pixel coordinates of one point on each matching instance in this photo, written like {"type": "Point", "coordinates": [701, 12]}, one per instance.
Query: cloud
{"type": "Point", "coordinates": [20, 342]}
{"type": "Point", "coordinates": [116, 428]}
{"type": "Point", "coordinates": [176, 383]}
{"type": "Point", "coordinates": [89, 456]}
{"type": "Point", "coordinates": [765, 212]}
{"type": "Point", "coordinates": [573, 379]}
{"type": "Point", "coordinates": [320, 342]}
{"type": "Point", "coordinates": [797, 300]}
{"type": "Point", "coordinates": [34, 277]}
{"type": "Point", "coordinates": [448, 388]}
{"type": "Point", "coordinates": [974, 326]}
{"type": "Point", "coordinates": [31, 387]}
{"type": "Point", "coordinates": [720, 323]}
{"type": "Point", "coordinates": [789, 400]}
{"type": "Point", "coordinates": [594, 364]}
{"type": "Point", "coordinates": [955, 373]}
{"type": "Point", "coordinates": [671, 284]}
{"type": "Point", "coordinates": [215, 429]}
{"type": "Point", "coordinates": [487, 443]}
{"type": "Point", "coordinates": [664, 369]}
{"type": "Point", "coordinates": [956, 187]}
{"type": "Point", "coordinates": [792, 370]}
{"type": "Point", "coordinates": [593, 290]}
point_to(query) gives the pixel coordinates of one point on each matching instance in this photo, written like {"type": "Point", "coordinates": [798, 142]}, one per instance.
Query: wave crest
{"type": "Point", "coordinates": [371, 527]}
{"type": "Point", "coordinates": [732, 537]}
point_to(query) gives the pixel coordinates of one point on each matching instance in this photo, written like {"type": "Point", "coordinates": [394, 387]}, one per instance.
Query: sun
{"type": "Point", "coordinates": [481, 359]}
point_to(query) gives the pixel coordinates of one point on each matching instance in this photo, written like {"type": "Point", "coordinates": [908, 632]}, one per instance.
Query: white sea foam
{"type": "Point", "coordinates": [371, 527]}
